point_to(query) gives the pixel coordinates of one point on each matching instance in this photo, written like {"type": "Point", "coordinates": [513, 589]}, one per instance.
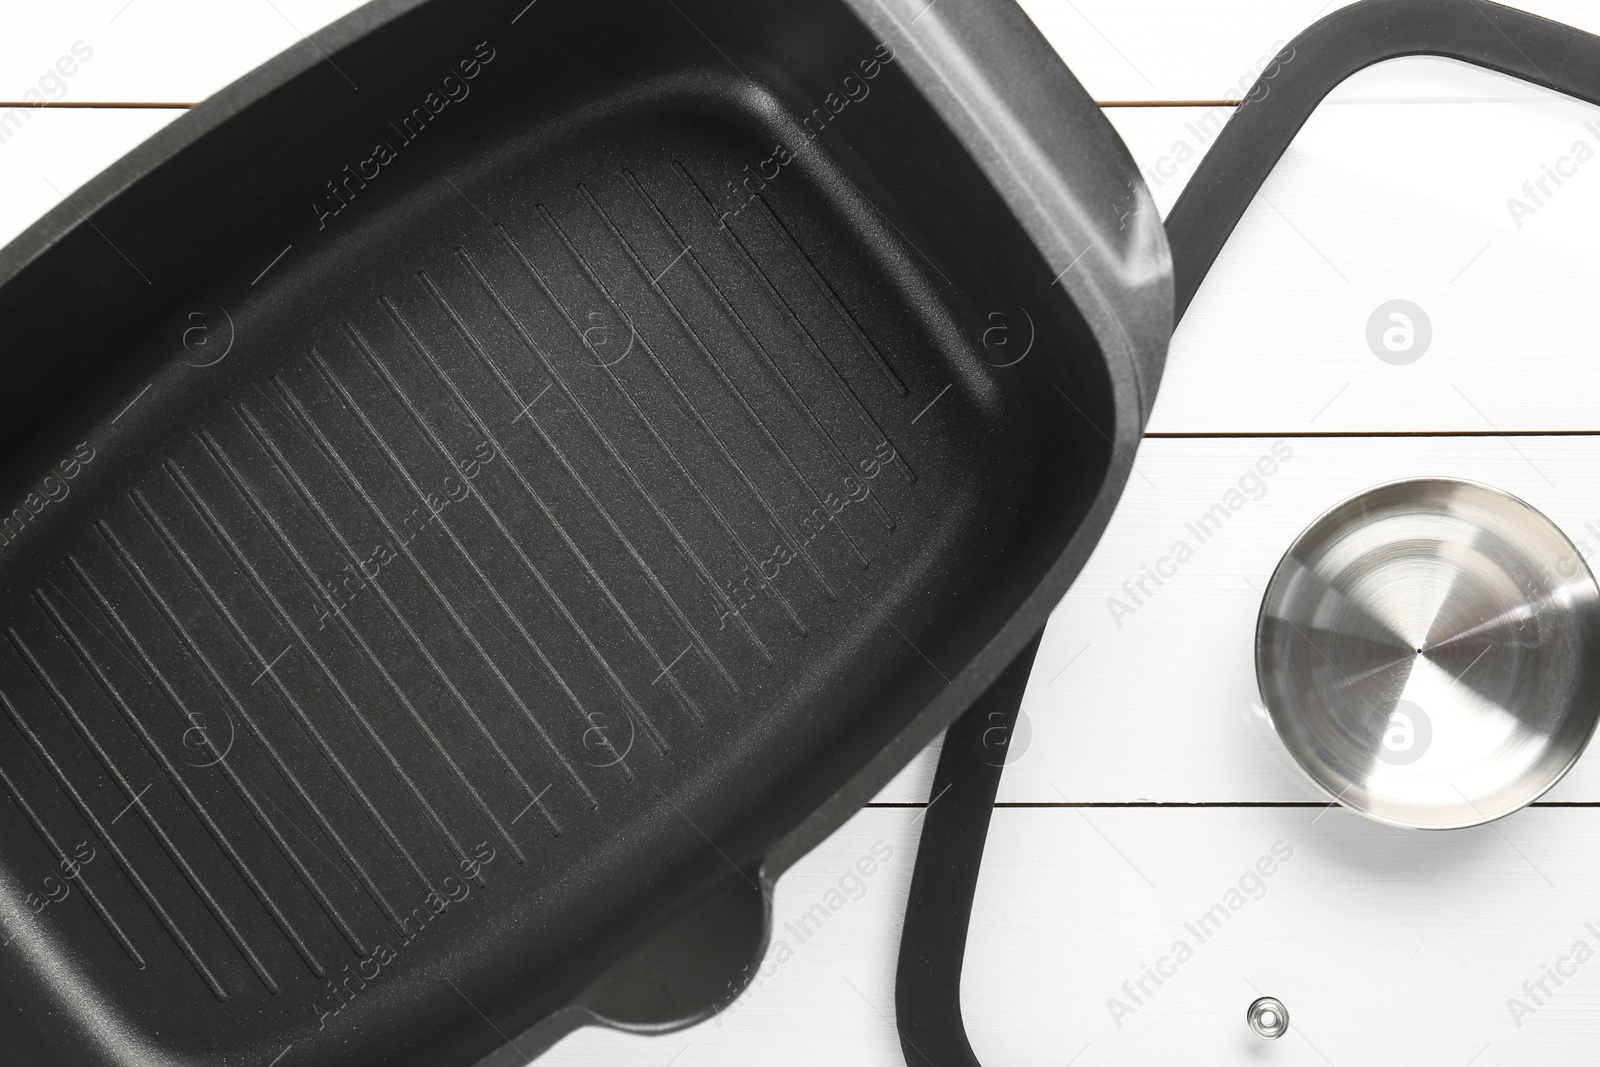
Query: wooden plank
{"type": "Point", "coordinates": [1371, 204]}
{"type": "Point", "coordinates": [149, 50]}
{"type": "Point", "coordinates": [1343, 230]}
{"type": "Point", "coordinates": [1157, 701]}
{"type": "Point", "coordinates": [1175, 50]}
{"type": "Point", "coordinates": [184, 50]}
{"type": "Point", "coordinates": [55, 152]}
{"type": "Point", "coordinates": [66, 147]}
{"type": "Point", "coordinates": [914, 784]}
{"type": "Point", "coordinates": [825, 992]}
{"type": "Point", "coordinates": [1397, 202]}
{"type": "Point", "coordinates": [1387, 946]}
{"type": "Point", "coordinates": [1149, 694]}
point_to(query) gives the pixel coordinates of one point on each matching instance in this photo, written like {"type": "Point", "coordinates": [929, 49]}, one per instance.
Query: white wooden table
{"type": "Point", "coordinates": [1149, 788]}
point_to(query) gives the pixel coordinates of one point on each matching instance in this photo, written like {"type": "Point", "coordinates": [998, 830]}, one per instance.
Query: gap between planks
{"type": "Point", "coordinates": [153, 105]}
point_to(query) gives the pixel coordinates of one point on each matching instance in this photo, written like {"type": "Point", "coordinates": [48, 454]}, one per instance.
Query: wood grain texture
{"type": "Point", "coordinates": [1387, 946]}
{"type": "Point", "coordinates": [1371, 204]}
{"type": "Point", "coordinates": [1156, 700]}
{"type": "Point", "coordinates": [1180, 50]}
{"type": "Point", "coordinates": [1377, 203]}
{"type": "Point", "coordinates": [1153, 50]}
{"type": "Point", "coordinates": [177, 51]}
{"type": "Point", "coordinates": [55, 151]}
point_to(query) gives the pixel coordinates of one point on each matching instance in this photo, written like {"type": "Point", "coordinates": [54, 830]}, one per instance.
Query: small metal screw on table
{"type": "Point", "coordinates": [1268, 1018]}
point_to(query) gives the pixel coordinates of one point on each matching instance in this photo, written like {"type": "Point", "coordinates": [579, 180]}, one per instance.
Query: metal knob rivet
{"type": "Point", "coordinates": [1268, 1018]}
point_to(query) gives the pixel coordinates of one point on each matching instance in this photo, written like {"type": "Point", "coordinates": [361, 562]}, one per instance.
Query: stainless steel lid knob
{"type": "Point", "coordinates": [1268, 1018]}
{"type": "Point", "coordinates": [1429, 653]}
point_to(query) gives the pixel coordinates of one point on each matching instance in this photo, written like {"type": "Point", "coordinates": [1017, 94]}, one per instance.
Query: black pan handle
{"type": "Point", "coordinates": [1309, 67]}
{"type": "Point", "coordinates": [934, 939]}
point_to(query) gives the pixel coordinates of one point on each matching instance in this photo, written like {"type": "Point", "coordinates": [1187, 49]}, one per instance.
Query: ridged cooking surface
{"type": "Point", "coordinates": [470, 563]}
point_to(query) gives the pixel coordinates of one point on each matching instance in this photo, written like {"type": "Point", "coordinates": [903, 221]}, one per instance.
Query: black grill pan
{"type": "Point", "coordinates": [488, 491]}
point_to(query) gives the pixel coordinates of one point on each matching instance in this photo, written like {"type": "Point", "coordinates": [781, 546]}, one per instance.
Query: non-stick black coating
{"type": "Point", "coordinates": [462, 519]}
